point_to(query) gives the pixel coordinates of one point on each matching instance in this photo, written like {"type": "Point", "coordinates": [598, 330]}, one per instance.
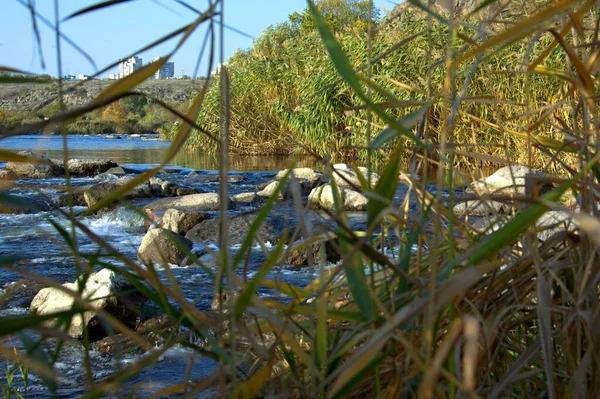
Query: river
{"type": "Point", "coordinates": [34, 237]}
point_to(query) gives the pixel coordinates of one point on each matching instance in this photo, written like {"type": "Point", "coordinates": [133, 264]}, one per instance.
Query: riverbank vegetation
{"type": "Point", "coordinates": [424, 302]}
{"type": "Point", "coordinates": [287, 97]}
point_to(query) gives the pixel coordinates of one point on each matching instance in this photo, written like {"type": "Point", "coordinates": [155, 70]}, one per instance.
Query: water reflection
{"type": "Point", "coordinates": [140, 150]}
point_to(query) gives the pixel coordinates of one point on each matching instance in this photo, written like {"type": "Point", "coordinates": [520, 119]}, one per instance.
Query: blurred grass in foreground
{"type": "Point", "coordinates": [450, 313]}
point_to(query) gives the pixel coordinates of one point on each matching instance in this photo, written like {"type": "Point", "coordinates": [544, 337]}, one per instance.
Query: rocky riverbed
{"type": "Point", "coordinates": [172, 221]}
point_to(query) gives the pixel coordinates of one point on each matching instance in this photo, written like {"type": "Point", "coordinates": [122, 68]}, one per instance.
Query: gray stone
{"type": "Point", "coordinates": [345, 176]}
{"type": "Point", "coordinates": [180, 222]}
{"type": "Point", "coordinates": [517, 180]}
{"type": "Point", "coordinates": [301, 174]}
{"type": "Point", "coordinates": [238, 228]}
{"type": "Point", "coordinates": [508, 180]}
{"type": "Point", "coordinates": [42, 170]}
{"type": "Point", "coordinates": [481, 208]}
{"type": "Point", "coordinates": [101, 190]}
{"type": "Point", "coordinates": [89, 167]}
{"type": "Point", "coordinates": [117, 170]}
{"type": "Point", "coordinates": [322, 197]}
{"type": "Point", "coordinates": [154, 187]}
{"type": "Point", "coordinates": [163, 246]}
{"type": "Point", "coordinates": [302, 254]}
{"type": "Point", "coordinates": [246, 199]}
{"type": "Point", "coordinates": [77, 194]}
{"type": "Point", "coordinates": [197, 202]}
{"type": "Point", "coordinates": [306, 186]}
{"type": "Point", "coordinates": [104, 290]}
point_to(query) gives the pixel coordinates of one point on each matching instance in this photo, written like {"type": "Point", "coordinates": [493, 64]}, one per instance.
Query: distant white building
{"type": "Point", "coordinates": [83, 77]}
{"type": "Point", "coordinates": [113, 76]}
{"type": "Point", "coordinates": [166, 71]}
{"type": "Point", "coordinates": [129, 66]}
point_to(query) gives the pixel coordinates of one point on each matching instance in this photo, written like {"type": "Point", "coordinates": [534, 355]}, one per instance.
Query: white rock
{"type": "Point", "coordinates": [163, 246]}
{"type": "Point", "coordinates": [197, 202]}
{"type": "Point", "coordinates": [322, 197]}
{"type": "Point", "coordinates": [103, 290]}
{"type": "Point", "coordinates": [180, 221]}
{"type": "Point", "coordinates": [345, 176]}
{"type": "Point", "coordinates": [301, 174]}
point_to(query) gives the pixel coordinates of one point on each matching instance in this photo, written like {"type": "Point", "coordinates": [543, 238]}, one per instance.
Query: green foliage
{"type": "Point", "coordinates": [136, 105]}
{"type": "Point", "coordinates": [287, 98]}
{"type": "Point", "coordinates": [15, 370]}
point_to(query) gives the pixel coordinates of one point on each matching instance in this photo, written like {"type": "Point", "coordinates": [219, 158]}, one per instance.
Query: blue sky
{"type": "Point", "coordinates": [115, 32]}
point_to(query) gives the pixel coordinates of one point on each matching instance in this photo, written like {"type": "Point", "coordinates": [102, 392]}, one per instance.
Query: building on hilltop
{"type": "Point", "coordinates": [166, 71]}
{"type": "Point", "coordinates": [129, 66]}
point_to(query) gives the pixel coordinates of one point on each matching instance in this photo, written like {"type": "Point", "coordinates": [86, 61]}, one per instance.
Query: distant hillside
{"type": "Point", "coordinates": [32, 97]}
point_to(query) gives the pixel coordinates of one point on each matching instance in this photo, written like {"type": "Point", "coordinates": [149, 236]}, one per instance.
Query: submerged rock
{"type": "Point", "coordinates": [43, 170]}
{"type": "Point", "coordinates": [19, 294]}
{"type": "Point", "coordinates": [154, 331]}
{"type": "Point", "coordinates": [22, 205]}
{"type": "Point", "coordinates": [162, 246]}
{"type": "Point", "coordinates": [104, 290]}
{"type": "Point", "coordinates": [180, 221]}
{"type": "Point", "coordinates": [322, 197]}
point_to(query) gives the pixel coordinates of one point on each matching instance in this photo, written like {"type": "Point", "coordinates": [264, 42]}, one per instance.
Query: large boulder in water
{"type": "Point", "coordinates": [322, 197]}
{"type": "Point", "coordinates": [180, 221]}
{"type": "Point", "coordinates": [516, 180]}
{"type": "Point", "coordinates": [163, 246]}
{"type": "Point", "coordinates": [104, 290]}
{"type": "Point", "coordinates": [238, 228]}
{"type": "Point", "coordinates": [508, 180]}
{"type": "Point", "coordinates": [89, 167]}
{"type": "Point", "coordinates": [77, 194]}
{"type": "Point", "coordinates": [306, 178]}
{"type": "Point", "coordinates": [302, 174]}
{"type": "Point", "coordinates": [42, 169]}
{"type": "Point", "coordinates": [196, 202]}
{"type": "Point", "coordinates": [347, 177]}
{"type": "Point", "coordinates": [101, 190]}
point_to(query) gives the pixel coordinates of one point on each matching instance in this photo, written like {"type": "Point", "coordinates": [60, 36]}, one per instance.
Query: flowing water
{"type": "Point", "coordinates": [35, 237]}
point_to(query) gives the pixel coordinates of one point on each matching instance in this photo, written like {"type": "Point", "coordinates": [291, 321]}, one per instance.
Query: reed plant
{"type": "Point", "coordinates": [421, 304]}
